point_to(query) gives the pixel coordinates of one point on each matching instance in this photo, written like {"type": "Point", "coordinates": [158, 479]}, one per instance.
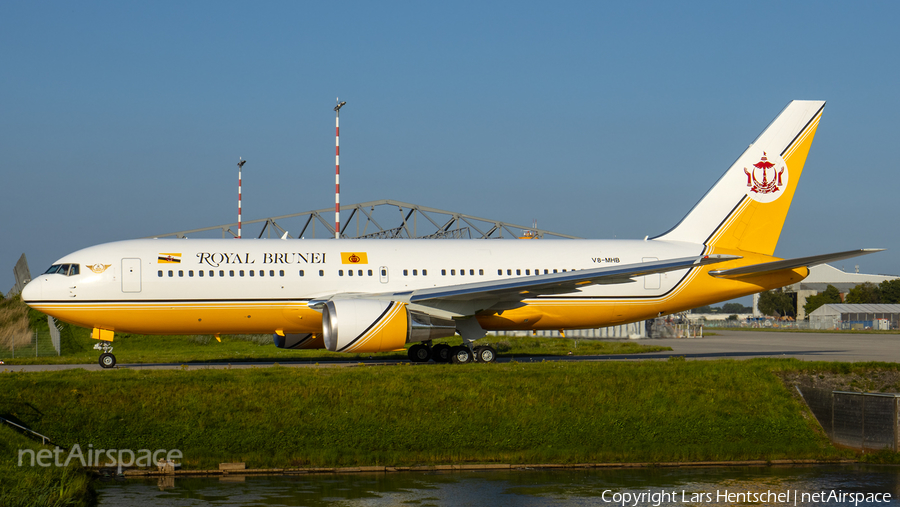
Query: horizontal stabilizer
{"type": "Point", "coordinates": [769, 267]}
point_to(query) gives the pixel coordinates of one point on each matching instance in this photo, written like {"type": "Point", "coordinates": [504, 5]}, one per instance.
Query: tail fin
{"type": "Point", "coordinates": [746, 208]}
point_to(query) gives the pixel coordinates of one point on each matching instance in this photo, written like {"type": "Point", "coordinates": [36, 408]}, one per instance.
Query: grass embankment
{"type": "Point", "coordinates": [404, 415]}
{"type": "Point", "coordinates": [36, 486]}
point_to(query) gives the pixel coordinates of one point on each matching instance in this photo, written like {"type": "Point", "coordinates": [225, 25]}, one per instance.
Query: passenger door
{"type": "Point", "coordinates": [131, 275]}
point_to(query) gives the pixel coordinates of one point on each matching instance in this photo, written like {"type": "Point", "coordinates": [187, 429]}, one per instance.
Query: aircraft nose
{"type": "Point", "coordinates": [32, 291]}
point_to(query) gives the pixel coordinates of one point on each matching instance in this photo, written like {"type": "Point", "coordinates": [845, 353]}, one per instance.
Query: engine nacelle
{"type": "Point", "coordinates": [366, 325]}
{"type": "Point", "coordinates": [299, 341]}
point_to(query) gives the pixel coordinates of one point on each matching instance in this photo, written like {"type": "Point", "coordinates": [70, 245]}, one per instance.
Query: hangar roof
{"type": "Point", "coordinates": [838, 308]}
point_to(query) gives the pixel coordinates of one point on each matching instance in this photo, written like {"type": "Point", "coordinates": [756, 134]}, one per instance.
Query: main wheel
{"type": "Point", "coordinates": [441, 353]}
{"type": "Point", "coordinates": [107, 360]}
{"type": "Point", "coordinates": [460, 355]}
{"type": "Point", "coordinates": [419, 353]}
{"type": "Point", "coordinates": [485, 354]}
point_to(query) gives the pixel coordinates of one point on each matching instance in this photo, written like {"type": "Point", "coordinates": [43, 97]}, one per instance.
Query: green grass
{"type": "Point", "coordinates": [36, 486]}
{"type": "Point", "coordinates": [404, 415]}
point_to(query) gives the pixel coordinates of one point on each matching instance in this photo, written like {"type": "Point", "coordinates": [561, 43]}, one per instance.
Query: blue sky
{"type": "Point", "coordinates": [122, 119]}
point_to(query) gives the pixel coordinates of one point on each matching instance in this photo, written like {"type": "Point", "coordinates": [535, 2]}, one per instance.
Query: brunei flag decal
{"type": "Point", "coordinates": [170, 258]}
{"type": "Point", "coordinates": [354, 258]}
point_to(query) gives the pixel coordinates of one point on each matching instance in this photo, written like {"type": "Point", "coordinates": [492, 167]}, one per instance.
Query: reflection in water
{"type": "Point", "coordinates": [682, 486]}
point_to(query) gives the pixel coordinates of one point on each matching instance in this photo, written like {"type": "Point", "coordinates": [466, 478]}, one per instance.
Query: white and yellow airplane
{"type": "Point", "coordinates": [379, 295]}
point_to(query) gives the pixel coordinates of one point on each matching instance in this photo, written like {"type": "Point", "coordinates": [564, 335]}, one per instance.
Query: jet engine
{"type": "Point", "coordinates": [366, 325]}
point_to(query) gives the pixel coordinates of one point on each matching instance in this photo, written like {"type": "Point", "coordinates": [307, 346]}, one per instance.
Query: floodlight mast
{"type": "Point", "coordinates": [240, 166]}
{"type": "Point", "coordinates": [337, 168]}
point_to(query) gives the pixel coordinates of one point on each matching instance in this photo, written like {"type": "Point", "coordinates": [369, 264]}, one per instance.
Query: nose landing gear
{"type": "Point", "coordinates": [107, 359]}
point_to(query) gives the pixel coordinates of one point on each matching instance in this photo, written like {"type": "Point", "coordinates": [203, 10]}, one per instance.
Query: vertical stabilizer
{"type": "Point", "coordinates": [745, 209]}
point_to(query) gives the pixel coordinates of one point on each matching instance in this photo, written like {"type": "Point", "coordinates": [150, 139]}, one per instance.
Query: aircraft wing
{"type": "Point", "coordinates": [558, 283]}
{"type": "Point", "coordinates": [498, 295]}
{"type": "Point", "coordinates": [768, 267]}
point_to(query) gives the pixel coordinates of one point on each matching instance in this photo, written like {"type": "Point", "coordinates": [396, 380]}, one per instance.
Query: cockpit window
{"type": "Point", "coordinates": [63, 269]}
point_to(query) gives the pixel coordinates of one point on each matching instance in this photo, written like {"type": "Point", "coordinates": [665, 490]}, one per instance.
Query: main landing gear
{"type": "Point", "coordinates": [107, 359]}
{"type": "Point", "coordinates": [443, 353]}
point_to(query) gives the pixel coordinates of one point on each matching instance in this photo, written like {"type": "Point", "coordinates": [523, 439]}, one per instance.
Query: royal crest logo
{"type": "Point", "coordinates": [767, 178]}
{"type": "Point", "coordinates": [354, 258]}
{"type": "Point", "coordinates": [98, 268]}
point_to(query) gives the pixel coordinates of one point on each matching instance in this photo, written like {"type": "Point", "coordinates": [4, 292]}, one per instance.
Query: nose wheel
{"type": "Point", "coordinates": [107, 359]}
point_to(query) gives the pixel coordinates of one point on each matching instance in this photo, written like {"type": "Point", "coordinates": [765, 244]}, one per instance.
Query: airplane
{"type": "Point", "coordinates": [363, 296]}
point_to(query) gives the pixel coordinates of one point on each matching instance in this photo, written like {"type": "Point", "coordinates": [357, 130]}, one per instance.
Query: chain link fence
{"type": "Point", "coordinates": [40, 343]}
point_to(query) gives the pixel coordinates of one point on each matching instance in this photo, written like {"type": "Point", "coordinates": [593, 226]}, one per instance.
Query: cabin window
{"type": "Point", "coordinates": [443, 272]}
{"type": "Point", "coordinates": [321, 272]}
{"type": "Point", "coordinates": [370, 272]}
{"type": "Point", "coordinates": [500, 272]}
{"type": "Point", "coordinates": [424, 272]}
{"type": "Point", "coordinates": [281, 272]}
{"type": "Point", "coordinates": [180, 273]}
{"type": "Point", "coordinates": [349, 272]}
{"type": "Point", "coordinates": [518, 272]}
{"type": "Point", "coordinates": [383, 272]}
{"type": "Point", "coordinates": [160, 273]}
{"type": "Point", "coordinates": [527, 271]}
{"type": "Point", "coordinates": [241, 272]}
{"type": "Point", "coordinates": [222, 272]}
{"type": "Point", "coordinates": [191, 273]}
{"type": "Point", "coordinates": [340, 272]}
{"type": "Point", "coordinates": [546, 271]}
{"type": "Point", "coordinates": [554, 271]}
{"type": "Point", "coordinates": [462, 272]}
{"type": "Point", "coordinates": [262, 272]}
{"type": "Point", "coordinates": [271, 272]}
{"type": "Point", "coordinates": [415, 273]}
{"type": "Point", "coordinates": [301, 272]}
{"type": "Point", "coordinates": [481, 272]}
{"type": "Point", "coordinates": [405, 273]}
{"type": "Point", "coordinates": [252, 273]}
{"type": "Point", "coordinates": [359, 272]}
{"type": "Point", "coordinates": [200, 272]}
{"type": "Point", "coordinates": [230, 272]}
{"type": "Point", "coordinates": [171, 273]}
{"type": "Point", "coordinates": [509, 272]}
{"type": "Point", "coordinates": [453, 272]}
{"type": "Point", "coordinates": [472, 272]}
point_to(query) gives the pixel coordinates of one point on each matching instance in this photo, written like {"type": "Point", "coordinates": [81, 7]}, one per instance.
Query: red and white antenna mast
{"type": "Point", "coordinates": [240, 166]}
{"type": "Point", "coordinates": [337, 168]}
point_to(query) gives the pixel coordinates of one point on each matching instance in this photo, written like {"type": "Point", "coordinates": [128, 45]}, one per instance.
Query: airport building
{"type": "Point", "coordinates": [856, 317]}
{"type": "Point", "coordinates": [823, 275]}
